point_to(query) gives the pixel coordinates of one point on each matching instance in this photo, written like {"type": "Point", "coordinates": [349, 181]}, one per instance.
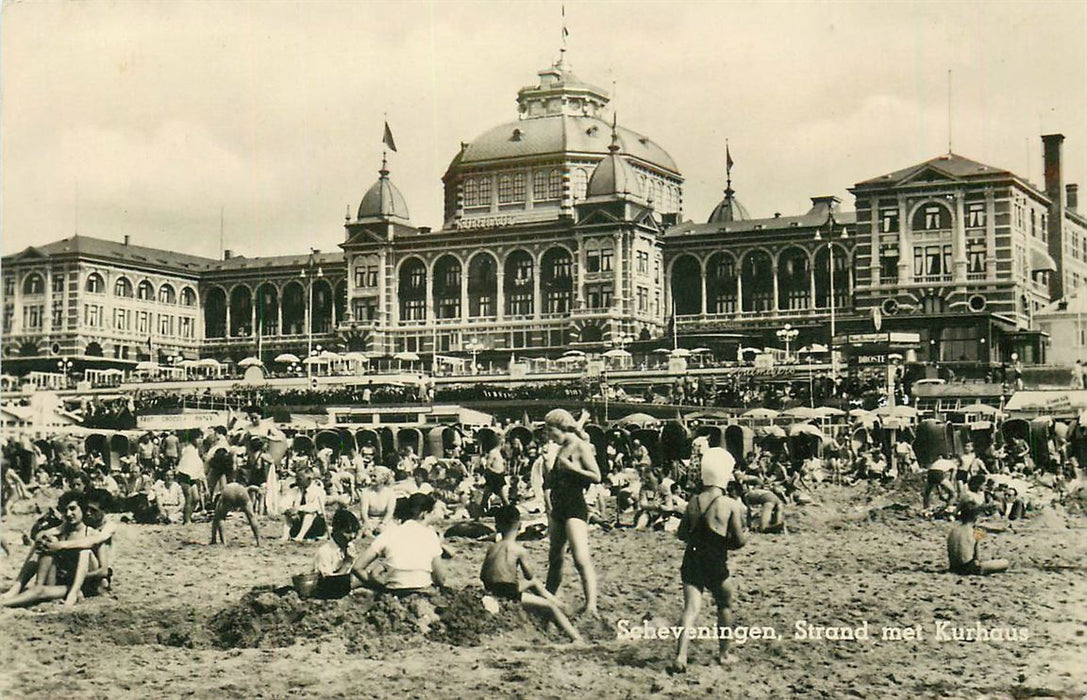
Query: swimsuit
{"type": "Point", "coordinates": [568, 497]}
{"type": "Point", "coordinates": [705, 561]}
{"type": "Point", "coordinates": [970, 568]}
{"type": "Point", "coordinates": [505, 591]}
{"type": "Point", "coordinates": [495, 482]}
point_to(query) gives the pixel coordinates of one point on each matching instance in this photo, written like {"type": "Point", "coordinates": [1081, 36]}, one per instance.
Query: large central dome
{"type": "Point", "coordinates": [538, 165]}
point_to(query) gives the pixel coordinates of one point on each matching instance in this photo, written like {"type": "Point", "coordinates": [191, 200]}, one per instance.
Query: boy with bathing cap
{"type": "Point", "coordinates": [712, 525]}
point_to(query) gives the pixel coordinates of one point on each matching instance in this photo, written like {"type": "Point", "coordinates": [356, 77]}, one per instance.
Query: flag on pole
{"type": "Point", "coordinates": [387, 138]}
{"type": "Point", "coordinates": [728, 158]}
{"type": "Point", "coordinates": [565, 31]}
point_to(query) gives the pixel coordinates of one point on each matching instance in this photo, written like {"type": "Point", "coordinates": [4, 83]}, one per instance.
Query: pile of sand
{"type": "Point", "coordinates": [366, 622]}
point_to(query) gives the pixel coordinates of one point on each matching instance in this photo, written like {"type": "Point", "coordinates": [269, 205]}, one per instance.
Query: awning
{"type": "Point", "coordinates": [1041, 261]}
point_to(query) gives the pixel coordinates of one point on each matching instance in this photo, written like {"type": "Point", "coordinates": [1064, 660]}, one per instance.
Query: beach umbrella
{"type": "Point", "coordinates": [186, 364]}
{"type": "Point", "coordinates": [775, 430]}
{"type": "Point", "coordinates": [145, 366]}
{"type": "Point", "coordinates": [573, 353]}
{"type": "Point", "coordinates": [638, 420]}
{"type": "Point", "coordinates": [208, 362]}
{"type": "Point", "coordinates": [700, 351]}
{"type": "Point", "coordinates": [662, 351]}
{"type": "Point", "coordinates": [616, 353]}
{"type": "Point", "coordinates": [801, 412]}
{"type": "Point", "coordinates": [859, 413]}
{"type": "Point", "coordinates": [680, 352]}
{"type": "Point", "coordinates": [355, 357]}
{"type": "Point", "coordinates": [760, 413]}
{"type": "Point", "coordinates": [329, 355]}
{"type": "Point", "coordinates": [828, 411]}
{"type": "Point", "coordinates": [804, 429]}
{"type": "Point", "coordinates": [757, 351]}
{"type": "Point", "coordinates": [250, 362]}
{"type": "Point", "coordinates": [897, 411]}
{"type": "Point", "coordinates": [983, 409]}
{"type": "Point", "coordinates": [571, 358]}
{"type": "Point", "coordinates": [287, 358]}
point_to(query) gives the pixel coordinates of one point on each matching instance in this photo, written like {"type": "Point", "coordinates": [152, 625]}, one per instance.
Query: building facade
{"type": "Point", "coordinates": [564, 229]}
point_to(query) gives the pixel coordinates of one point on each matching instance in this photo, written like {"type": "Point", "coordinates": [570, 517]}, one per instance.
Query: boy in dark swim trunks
{"type": "Point", "coordinates": [500, 567]}
{"type": "Point", "coordinates": [232, 497]}
{"type": "Point", "coordinates": [712, 525]}
{"type": "Point", "coordinates": [963, 545]}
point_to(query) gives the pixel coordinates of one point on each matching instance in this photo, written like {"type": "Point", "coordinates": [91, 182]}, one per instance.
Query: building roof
{"type": "Point", "coordinates": [822, 207]}
{"type": "Point", "coordinates": [241, 263]}
{"type": "Point", "coordinates": [383, 200]}
{"type": "Point", "coordinates": [1072, 304]}
{"type": "Point", "coordinates": [556, 134]}
{"type": "Point", "coordinates": [728, 210]}
{"type": "Point", "coordinates": [115, 250]}
{"type": "Point", "coordinates": [950, 165]}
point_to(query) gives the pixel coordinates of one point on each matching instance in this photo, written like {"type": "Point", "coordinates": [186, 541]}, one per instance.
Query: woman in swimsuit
{"type": "Point", "coordinates": [573, 470]}
{"type": "Point", "coordinates": [61, 575]}
{"type": "Point", "coordinates": [378, 504]}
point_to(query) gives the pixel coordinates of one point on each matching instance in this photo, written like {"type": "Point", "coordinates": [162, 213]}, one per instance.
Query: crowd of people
{"type": "Point", "coordinates": [562, 479]}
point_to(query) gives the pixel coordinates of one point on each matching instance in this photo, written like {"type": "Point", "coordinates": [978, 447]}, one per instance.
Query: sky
{"type": "Point", "coordinates": [154, 120]}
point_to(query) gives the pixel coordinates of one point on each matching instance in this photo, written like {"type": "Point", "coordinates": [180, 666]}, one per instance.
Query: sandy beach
{"type": "Point", "coordinates": [852, 557]}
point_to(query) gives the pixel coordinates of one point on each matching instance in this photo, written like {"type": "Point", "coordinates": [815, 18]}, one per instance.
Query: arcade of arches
{"type": "Point", "coordinates": [757, 282]}
{"type": "Point", "coordinates": [276, 310]}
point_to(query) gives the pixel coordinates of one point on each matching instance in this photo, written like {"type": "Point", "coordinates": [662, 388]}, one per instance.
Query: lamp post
{"type": "Point", "coordinates": [65, 366]}
{"type": "Point", "coordinates": [830, 265]}
{"type": "Point", "coordinates": [787, 335]}
{"type": "Point", "coordinates": [309, 305]}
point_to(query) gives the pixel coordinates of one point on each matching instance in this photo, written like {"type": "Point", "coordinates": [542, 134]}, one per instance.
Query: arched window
{"type": "Point", "coordinates": [95, 283]}
{"type": "Point", "coordinates": [145, 291]}
{"type": "Point", "coordinates": [188, 297]}
{"type": "Point", "coordinates": [122, 288]}
{"type": "Point", "coordinates": [505, 189]}
{"type": "Point", "coordinates": [34, 284]}
{"type": "Point", "coordinates": [554, 184]}
{"type": "Point", "coordinates": [519, 187]}
{"type": "Point", "coordinates": [167, 295]}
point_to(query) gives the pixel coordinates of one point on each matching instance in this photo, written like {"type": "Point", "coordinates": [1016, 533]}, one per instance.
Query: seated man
{"type": "Point", "coordinates": [169, 499]}
{"type": "Point", "coordinates": [503, 561]}
{"type": "Point", "coordinates": [304, 514]}
{"type": "Point", "coordinates": [60, 575]}
{"type": "Point", "coordinates": [411, 553]}
{"type": "Point", "coordinates": [964, 542]}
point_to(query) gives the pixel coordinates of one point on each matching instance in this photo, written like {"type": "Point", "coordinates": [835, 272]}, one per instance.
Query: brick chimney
{"type": "Point", "coordinates": [228, 254]}
{"type": "Point", "coordinates": [127, 238]}
{"type": "Point", "coordinates": [1071, 197]}
{"type": "Point", "coordinates": [1053, 145]}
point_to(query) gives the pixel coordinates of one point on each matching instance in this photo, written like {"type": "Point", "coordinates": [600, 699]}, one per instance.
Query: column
{"type": "Point", "coordinates": [255, 299]}
{"type": "Point", "coordinates": [990, 234]}
{"type": "Point", "coordinates": [431, 320]}
{"type": "Point", "coordinates": [226, 331]}
{"type": "Point", "coordinates": [618, 293]}
{"type": "Point", "coordinates": [739, 287]}
{"type": "Point", "coordinates": [279, 310]}
{"type": "Point", "coordinates": [705, 300]}
{"type": "Point", "coordinates": [335, 316]}
{"type": "Point", "coordinates": [537, 299]}
{"type": "Point", "coordinates": [774, 273]}
{"type": "Point", "coordinates": [464, 293]}
{"type": "Point", "coordinates": [873, 239]}
{"type": "Point", "coordinates": [958, 239]}
{"type": "Point", "coordinates": [500, 293]}
{"type": "Point", "coordinates": [811, 292]}
{"type": "Point", "coordinates": [905, 244]}
{"type": "Point", "coordinates": [306, 327]}
{"type": "Point", "coordinates": [386, 317]}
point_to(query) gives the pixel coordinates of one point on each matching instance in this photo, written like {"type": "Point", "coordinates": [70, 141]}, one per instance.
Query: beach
{"type": "Point", "coordinates": [854, 557]}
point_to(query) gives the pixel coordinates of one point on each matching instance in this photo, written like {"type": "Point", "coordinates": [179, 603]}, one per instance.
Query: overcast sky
{"type": "Point", "coordinates": [146, 118]}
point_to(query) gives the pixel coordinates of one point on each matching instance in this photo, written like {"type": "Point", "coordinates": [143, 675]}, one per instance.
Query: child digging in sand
{"type": "Point", "coordinates": [964, 545]}
{"type": "Point", "coordinates": [500, 567]}
{"type": "Point", "coordinates": [712, 525]}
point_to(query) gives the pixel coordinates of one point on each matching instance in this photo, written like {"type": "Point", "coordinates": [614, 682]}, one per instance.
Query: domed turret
{"type": "Point", "coordinates": [383, 201]}
{"type": "Point", "coordinates": [729, 209]}
{"type": "Point", "coordinates": [614, 176]}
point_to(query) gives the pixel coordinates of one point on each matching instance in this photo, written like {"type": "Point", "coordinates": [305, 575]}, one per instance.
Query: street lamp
{"type": "Point", "coordinates": [787, 335]}
{"type": "Point", "coordinates": [830, 265]}
{"type": "Point", "coordinates": [65, 366]}
{"type": "Point", "coordinates": [309, 304]}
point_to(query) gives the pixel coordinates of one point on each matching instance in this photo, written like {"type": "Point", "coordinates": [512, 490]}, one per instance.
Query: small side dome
{"type": "Point", "coordinates": [383, 201]}
{"type": "Point", "coordinates": [728, 209]}
{"type": "Point", "coordinates": [614, 175]}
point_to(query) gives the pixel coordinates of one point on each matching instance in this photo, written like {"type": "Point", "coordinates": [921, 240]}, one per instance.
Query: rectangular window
{"type": "Point", "coordinates": [9, 286]}
{"type": "Point", "coordinates": [557, 302]}
{"type": "Point", "coordinates": [888, 220]}
{"type": "Point", "coordinates": [486, 305]}
{"type": "Point", "coordinates": [643, 262]}
{"type": "Point", "coordinates": [643, 300]}
{"type": "Point", "coordinates": [143, 322]}
{"type": "Point", "coordinates": [598, 296]}
{"type": "Point", "coordinates": [166, 324]}
{"type": "Point", "coordinates": [932, 218]}
{"type": "Point", "coordinates": [505, 189]}
{"type": "Point", "coordinates": [607, 255]}
{"type": "Point", "coordinates": [519, 304]}
{"type": "Point", "coordinates": [657, 271]}
{"type": "Point", "coordinates": [187, 327]}
{"type": "Point", "coordinates": [120, 319]}
{"type": "Point", "coordinates": [58, 283]}
{"type": "Point", "coordinates": [58, 317]}
{"type": "Point", "coordinates": [414, 309]}
{"type": "Point", "coordinates": [592, 261]}
{"type": "Point", "coordinates": [417, 277]}
{"type": "Point", "coordinates": [975, 256]}
{"type": "Point", "coordinates": [888, 263]}
{"type": "Point", "coordinates": [32, 317]}
{"type": "Point", "coordinates": [92, 315]}
{"type": "Point", "coordinates": [975, 215]}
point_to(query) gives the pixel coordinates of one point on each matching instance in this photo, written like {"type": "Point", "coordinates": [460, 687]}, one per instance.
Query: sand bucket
{"type": "Point", "coordinates": [306, 583]}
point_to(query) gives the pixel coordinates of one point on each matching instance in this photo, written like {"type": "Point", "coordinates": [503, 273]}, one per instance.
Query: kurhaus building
{"type": "Point", "coordinates": [564, 229]}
